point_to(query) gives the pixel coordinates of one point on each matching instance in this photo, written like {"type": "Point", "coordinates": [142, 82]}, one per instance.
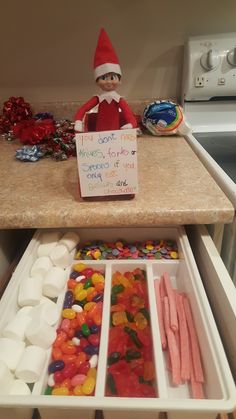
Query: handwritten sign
{"type": "Point", "coordinates": [107, 162]}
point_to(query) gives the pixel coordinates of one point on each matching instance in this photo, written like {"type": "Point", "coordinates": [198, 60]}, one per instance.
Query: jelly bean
{"type": "Point", "coordinates": [89, 306]}
{"type": "Point", "coordinates": [79, 267]}
{"type": "Point", "coordinates": [70, 333]}
{"type": "Point", "coordinates": [80, 359]}
{"type": "Point", "coordinates": [60, 391]}
{"type": "Point", "coordinates": [67, 383]}
{"type": "Point", "coordinates": [93, 361]}
{"type": "Point", "coordinates": [71, 284]}
{"type": "Point", "coordinates": [78, 379]}
{"type": "Point", "coordinates": [48, 391]}
{"type": "Point", "coordinates": [65, 325]}
{"type": "Point", "coordinates": [97, 318]}
{"type": "Point", "coordinates": [74, 323]}
{"type": "Point", "coordinates": [91, 350]}
{"type": "Point", "coordinates": [76, 341]}
{"type": "Point", "coordinates": [94, 328]}
{"type": "Point", "coordinates": [78, 288]}
{"type": "Point", "coordinates": [81, 278]}
{"type": "Point", "coordinates": [77, 391]}
{"type": "Point", "coordinates": [56, 354]}
{"type": "Point", "coordinates": [90, 290]}
{"type": "Point", "coordinates": [56, 366]}
{"type": "Point", "coordinates": [68, 300]}
{"type": "Point", "coordinates": [96, 277]}
{"type": "Point", "coordinates": [68, 348]}
{"type": "Point", "coordinates": [74, 274]}
{"type": "Point", "coordinates": [67, 358]}
{"type": "Point", "coordinates": [88, 284]}
{"type": "Point", "coordinates": [87, 272]}
{"type": "Point", "coordinates": [113, 358]}
{"type": "Point", "coordinates": [98, 297]}
{"type": "Point", "coordinates": [81, 318]}
{"type": "Point", "coordinates": [84, 368]}
{"type": "Point", "coordinates": [91, 296]}
{"type": "Point", "coordinates": [77, 308]}
{"type": "Point", "coordinates": [51, 381]}
{"type": "Point", "coordinates": [68, 313]}
{"type": "Point", "coordinates": [85, 329]}
{"type": "Point", "coordinates": [113, 299]}
{"type": "Point", "coordinates": [92, 372]}
{"type": "Point", "coordinates": [99, 286]}
{"type": "Point", "coordinates": [58, 377]}
{"type": "Point", "coordinates": [94, 339]}
{"type": "Point", "coordinates": [61, 337]}
{"type": "Point", "coordinates": [88, 385]}
{"type": "Point", "coordinates": [81, 295]}
{"type": "Point", "coordinates": [70, 370]}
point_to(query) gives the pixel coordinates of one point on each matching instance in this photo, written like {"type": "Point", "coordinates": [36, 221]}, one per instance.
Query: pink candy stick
{"type": "Point", "coordinates": [160, 314]}
{"type": "Point", "coordinates": [172, 345]}
{"type": "Point", "coordinates": [184, 339]}
{"type": "Point", "coordinates": [172, 302]}
{"type": "Point", "coordinates": [197, 388]}
{"type": "Point", "coordinates": [162, 288]}
{"type": "Point", "coordinates": [197, 365]}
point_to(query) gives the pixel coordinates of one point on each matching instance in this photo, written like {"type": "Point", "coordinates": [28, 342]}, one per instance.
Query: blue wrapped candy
{"type": "Point", "coordinates": [29, 153]}
{"type": "Point", "coordinates": [162, 117]}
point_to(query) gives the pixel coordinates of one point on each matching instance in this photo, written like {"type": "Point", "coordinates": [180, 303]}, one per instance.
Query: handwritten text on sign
{"type": "Point", "coordinates": [107, 162]}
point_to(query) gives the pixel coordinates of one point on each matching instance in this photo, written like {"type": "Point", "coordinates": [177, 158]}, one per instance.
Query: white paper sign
{"type": "Point", "coordinates": [107, 162]}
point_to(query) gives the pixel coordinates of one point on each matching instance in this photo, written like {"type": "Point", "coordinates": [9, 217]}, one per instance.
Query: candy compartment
{"type": "Point", "coordinates": [182, 284]}
{"type": "Point", "coordinates": [131, 370]}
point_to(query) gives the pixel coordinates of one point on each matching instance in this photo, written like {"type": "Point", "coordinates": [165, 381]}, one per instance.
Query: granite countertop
{"type": "Point", "coordinates": [174, 189]}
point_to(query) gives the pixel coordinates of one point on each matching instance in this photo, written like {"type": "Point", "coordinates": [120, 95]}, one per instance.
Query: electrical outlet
{"type": "Point", "coordinates": [199, 81]}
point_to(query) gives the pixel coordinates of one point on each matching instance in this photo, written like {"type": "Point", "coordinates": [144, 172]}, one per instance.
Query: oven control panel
{"type": "Point", "coordinates": [209, 67]}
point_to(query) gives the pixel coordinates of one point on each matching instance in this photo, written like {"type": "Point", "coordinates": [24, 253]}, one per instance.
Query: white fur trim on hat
{"type": "Point", "coordinates": [106, 68]}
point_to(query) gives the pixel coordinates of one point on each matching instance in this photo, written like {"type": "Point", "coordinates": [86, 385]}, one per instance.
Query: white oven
{"type": "Point", "coordinates": [209, 102]}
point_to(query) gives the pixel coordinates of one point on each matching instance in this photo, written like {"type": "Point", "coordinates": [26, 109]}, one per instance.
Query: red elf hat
{"type": "Point", "coordinates": [105, 58]}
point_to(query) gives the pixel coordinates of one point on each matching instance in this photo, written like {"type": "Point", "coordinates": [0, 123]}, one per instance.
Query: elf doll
{"type": "Point", "coordinates": [113, 112]}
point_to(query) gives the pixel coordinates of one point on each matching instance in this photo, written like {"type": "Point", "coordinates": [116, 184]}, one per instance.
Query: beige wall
{"type": "Point", "coordinates": [47, 46]}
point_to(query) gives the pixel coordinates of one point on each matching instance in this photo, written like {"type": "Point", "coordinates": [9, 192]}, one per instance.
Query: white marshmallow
{"type": "Point", "coordinates": [54, 281]}
{"type": "Point", "coordinates": [60, 256]}
{"type": "Point", "coordinates": [11, 352]}
{"type": "Point", "coordinates": [6, 379]}
{"type": "Point", "coordinates": [70, 240]}
{"type": "Point", "coordinates": [19, 387]}
{"type": "Point", "coordinates": [25, 309]}
{"type": "Point", "coordinates": [48, 240]}
{"type": "Point", "coordinates": [15, 329]}
{"type": "Point", "coordinates": [40, 333]}
{"type": "Point", "coordinates": [46, 310]}
{"type": "Point", "coordinates": [41, 266]}
{"type": "Point", "coordinates": [30, 292]}
{"type": "Point", "coordinates": [31, 364]}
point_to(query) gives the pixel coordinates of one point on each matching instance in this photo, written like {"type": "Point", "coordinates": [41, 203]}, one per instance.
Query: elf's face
{"type": "Point", "coordinates": [108, 82]}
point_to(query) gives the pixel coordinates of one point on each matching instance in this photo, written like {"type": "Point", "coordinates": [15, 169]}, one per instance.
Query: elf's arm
{"type": "Point", "coordinates": [82, 111]}
{"type": "Point", "coordinates": [127, 115]}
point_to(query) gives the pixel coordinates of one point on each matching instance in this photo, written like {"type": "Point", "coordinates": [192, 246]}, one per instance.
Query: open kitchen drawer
{"type": "Point", "coordinates": [219, 388]}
